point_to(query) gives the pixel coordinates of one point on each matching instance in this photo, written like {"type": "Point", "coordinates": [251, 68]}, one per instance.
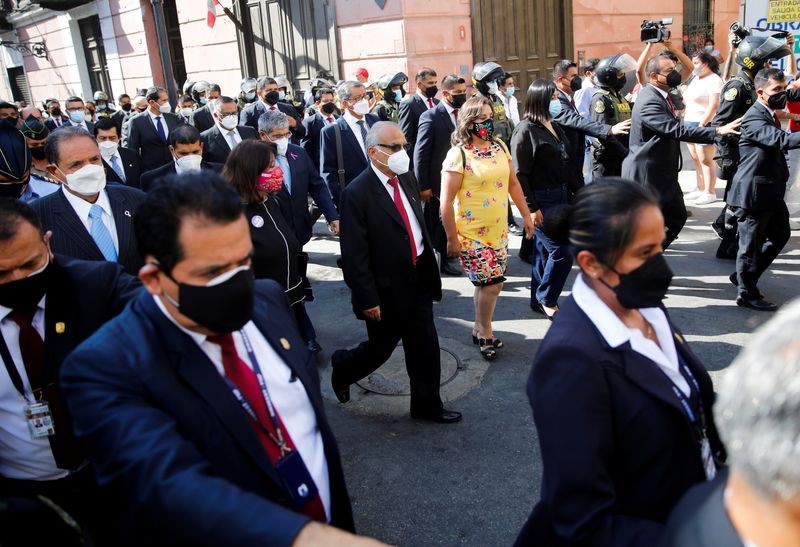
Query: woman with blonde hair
{"type": "Point", "coordinates": [477, 179]}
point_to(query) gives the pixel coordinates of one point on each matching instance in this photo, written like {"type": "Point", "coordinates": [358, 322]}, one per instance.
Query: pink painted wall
{"type": "Point", "coordinates": [133, 45]}
{"type": "Point", "coordinates": [50, 77]}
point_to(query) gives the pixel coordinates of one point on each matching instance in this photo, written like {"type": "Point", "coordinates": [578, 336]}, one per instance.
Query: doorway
{"type": "Point", "coordinates": [94, 53]}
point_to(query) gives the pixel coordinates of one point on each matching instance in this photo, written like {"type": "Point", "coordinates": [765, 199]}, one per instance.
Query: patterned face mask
{"type": "Point", "coordinates": [483, 130]}
{"type": "Point", "coordinates": [271, 181]}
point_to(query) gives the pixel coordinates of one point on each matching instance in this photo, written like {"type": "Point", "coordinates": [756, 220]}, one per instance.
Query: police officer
{"type": "Point", "coordinates": [247, 92]}
{"type": "Point", "coordinates": [390, 88]}
{"type": "Point", "coordinates": [484, 78]}
{"type": "Point", "coordinates": [200, 91]}
{"type": "Point", "coordinates": [737, 96]}
{"type": "Point", "coordinates": [285, 87]}
{"type": "Point", "coordinates": [101, 104]}
{"type": "Point", "coordinates": [609, 107]}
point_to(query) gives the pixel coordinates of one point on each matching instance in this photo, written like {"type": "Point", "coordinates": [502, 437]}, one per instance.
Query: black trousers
{"type": "Point", "coordinates": [762, 236]}
{"type": "Point", "coordinates": [433, 221]}
{"type": "Point", "coordinates": [729, 244]}
{"type": "Point", "coordinates": [413, 324]}
{"type": "Point", "coordinates": [674, 210]}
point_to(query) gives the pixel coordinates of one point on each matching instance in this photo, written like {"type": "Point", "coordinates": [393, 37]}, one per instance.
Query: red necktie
{"type": "Point", "coordinates": [430, 103]}
{"type": "Point", "coordinates": [777, 121]}
{"type": "Point", "coordinates": [671, 104]}
{"type": "Point", "coordinates": [245, 379]}
{"type": "Point", "coordinates": [330, 119]}
{"type": "Point", "coordinates": [30, 345]}
{"type": "Point", "coordinates": [455, 114]}
{"type": "Point", "coordinates": [273, 108]}
{"type": "Point", "coordinates": [398, 202]}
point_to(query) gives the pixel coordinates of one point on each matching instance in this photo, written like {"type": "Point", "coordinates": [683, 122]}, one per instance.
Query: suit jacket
{"type": "Point", "coordinates": [355, 161]}
{"type": "Point", "coordinates": [170, 442]}
{"type": "Point", "coordinates": [215, 148]}
{"type": "Point", "coordinates": [142, 138]}
{"type": "Point", "coordinates": [375, 256]}
{"type": "Point", "coordinates": [51, 125]}
{"type": "Point", "coordinates": [202, 119]}
{"type": "Point", "coordinates": [249, 116]}
{"type": "Point", "coordinates": [654, 143]}
{"type": "Point", "coordinates": [433, 142]}
{"type": "Point", "coordinates": [150, 179]}
{"type": "Point", "coordinates": [118, 117]}
{"type": "Point", "coordinates": [576, 127]}
{"type": "Point", "coordinates": [760, 181]}
{"type": "Point", "coordinates": [70, 236]}
{"type": "Point", "coordinates": [68, 123]}
{"type": "Point", "coordinates": [306, 182]}
{"type": "Point", "coordinates": [131, 164]}
{"type": "Point", "coordinates": [311, 142]}
{"type": "Point", "coordinates": [411, 108]}
{"type": "Point", "coordinates": [618, 451]}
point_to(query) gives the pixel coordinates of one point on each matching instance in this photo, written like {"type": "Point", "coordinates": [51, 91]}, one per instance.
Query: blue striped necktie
{"type": "Point", "coordinates": [101, 235]}
{"type": "Point", "coordinates": [115, 165]}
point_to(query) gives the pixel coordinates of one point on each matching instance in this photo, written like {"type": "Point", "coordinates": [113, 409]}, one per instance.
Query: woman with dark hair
{"type": "Point", "coordinates": [702, 100]}
{"type": "Point", "coordinates": [622, 407]}
{"type": "Point", "coordinates": [544, 171]}
{"type": "Point", "coordinates": [252, 171]}
{"type": "Point", "coordinates": [477, 180]}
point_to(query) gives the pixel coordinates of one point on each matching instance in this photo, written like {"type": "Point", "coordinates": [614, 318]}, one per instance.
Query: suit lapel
{"type": "Point", "coordinates": [220, 139]}
{"type": "Point", "coordinates": [347, 135]}
{"type": "Point", "coordinates": [645, 373]}
{"type": "Point", "coordinates": [60, 328]}
{"type": "Point", "coordinates": [123, 218]}
{"type": "Point", "coordinates": [447, 120]}
{"type": "Point", "coordinates": [383, 199]}
{"type": "Point", "coordinates": [73, 230]}
{"type": "Point", "coordinates": [111, 175]}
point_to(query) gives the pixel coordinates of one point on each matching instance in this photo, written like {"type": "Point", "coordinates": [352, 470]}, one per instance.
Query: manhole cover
{"type": "Point", "coordinates": [392, 379]}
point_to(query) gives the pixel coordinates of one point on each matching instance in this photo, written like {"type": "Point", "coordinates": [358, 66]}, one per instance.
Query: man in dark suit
{"type": "Point", "coordinates": [203, 118]}
{"type": "Point", "coordinates": [211, 385]}
{"type": "Point", "coordinates": [125, 106]}
{"type": "Point", "coordinates": [89, 220]}
{"type": "Point", "coordinates": [122, 165]}
{"type": "Point", "coordinates": [225, 134]}
{"type": "Point", "coordinates": [56, 117]}
{"type": "Point", "coordinates": [186, 151]}
{"type": "Point", "coordinates": [148, 132]}
{"type": "Point", "coordinates": [324, 116]}
{"type": "Point", "coordinates": [414, 104]}
{"type": "Point", "coordinates": [353, 126]}
{"type": "Point", "coordinates": [655, 135]}
{"type": "Point", "coordinates": [77, 115]}
{"type": "Point", "coordinates": [758, 187]}
{"type": "Point", "coordinates": [436, 127]}
{"type": "Point", "coordinates": [269, 99]}
{"type": "Point", "coordinates": [389, 264]}
{"type": "Point", "coordinates": [48, 305]}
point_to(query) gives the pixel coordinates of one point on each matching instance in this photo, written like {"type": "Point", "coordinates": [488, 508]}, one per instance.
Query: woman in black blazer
{"type": "Point", "coordinates": [622, 406]}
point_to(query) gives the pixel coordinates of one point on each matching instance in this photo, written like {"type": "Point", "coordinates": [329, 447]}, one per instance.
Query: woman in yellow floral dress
{"type": "Point", "coordinates": [477, 179]}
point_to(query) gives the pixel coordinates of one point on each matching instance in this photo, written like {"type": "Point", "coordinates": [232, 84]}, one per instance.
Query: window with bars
{"type": "Point", "coordinates": [697, 24]}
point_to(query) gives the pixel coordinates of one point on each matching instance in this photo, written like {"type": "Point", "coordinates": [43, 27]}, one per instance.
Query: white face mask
{"type": "Point", "coordinates": [108, 148]}
{"type": "Point", "coordinates": [190, 163]}
{"type": "Point", "coordinates": [165, 108]}
{"type": "Point", "coordinates": [361, 107]}
{"type": "Point", "coordinates": [186, 112]}
{"type": "Point", "coordinates": [230, 122]}
{"type": "Point", "coordinates": [493, 88]}
{"type": "Point", "coordinates": [283, 145]}
{"type": "Point", "coordinates": [88, 180]}
{"type": "Point", "coordinates": [398, 162]}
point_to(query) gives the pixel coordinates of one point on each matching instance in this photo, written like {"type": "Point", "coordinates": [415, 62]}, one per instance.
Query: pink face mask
{"type": "Point", "coordinates": [271, 181]}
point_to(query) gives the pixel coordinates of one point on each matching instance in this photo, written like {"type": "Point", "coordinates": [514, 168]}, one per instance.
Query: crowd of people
{"type": "Point", "coordinates": [158, 383]}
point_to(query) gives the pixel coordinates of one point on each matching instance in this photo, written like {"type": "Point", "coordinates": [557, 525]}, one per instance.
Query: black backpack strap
{"type": "Point", "coordinates": [339, 155]}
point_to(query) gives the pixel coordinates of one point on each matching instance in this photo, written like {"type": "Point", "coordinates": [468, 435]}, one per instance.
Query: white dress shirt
{"type": "Point", "coordinates": [425, 99]}
{"type": "Point", "coordinates": [416, 229]}
{"type": "Point", "coordinates": [82, 207]}
{"type": "Point", "coordinates": [617, 333]}
{"type": "Point", "coordinates": [289, 397]}
{"type": "Point", "coordinates": [512, 109]}
{"type": "Point", "coordinates": [163, 121]}
{"type": "Point", "coordinates": [232, 136]}
{"type": "Point", "coordinates": [352, 121]}
{"type": "Point", "coordinates": [20, 456]}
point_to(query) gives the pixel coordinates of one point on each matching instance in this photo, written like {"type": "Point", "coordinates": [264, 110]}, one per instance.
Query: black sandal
{"type": "Point", "coordinates": [496, 342]}
{"type": "Point", "coordinates": [487, 349]}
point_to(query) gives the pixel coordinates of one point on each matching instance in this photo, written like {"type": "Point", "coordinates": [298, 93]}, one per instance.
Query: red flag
{"type": "Point", "coordinates": [211, 18]}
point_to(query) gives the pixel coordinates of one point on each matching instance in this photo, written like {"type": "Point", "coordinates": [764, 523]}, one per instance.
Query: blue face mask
{"type": "Point", "coordinates": [281, 95]}
{"type": "Point", "coordinates": [555, 107]}
{"type": "Point", "coordinates": [398, 96]}
{"type": "Point", "coordinates": [77, 116]}
{"type": "Point", "coordinates": [709, 48]}
{"type": "Point", "coordinates": [203, 101]}
{"type": "Point", "coordinates": [250, 96]}
{"type": "Point", "coordinates": [510, 91]}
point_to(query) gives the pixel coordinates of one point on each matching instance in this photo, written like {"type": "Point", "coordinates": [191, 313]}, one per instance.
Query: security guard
{"type": "Point", "coordinates": [247, 92]}
{"type": "Point", "coordinates": [484, 78]}
{"type": "Point", "coordinates": [390, 88]}
{"type": "Point", "coordinates": [737, 96]}
{"type": "Point", "coordinates": [101, 104]}
{"type": "Point", "coordinates": [285, 86]}
{"type": "Point", "coordinates": [609, 107]}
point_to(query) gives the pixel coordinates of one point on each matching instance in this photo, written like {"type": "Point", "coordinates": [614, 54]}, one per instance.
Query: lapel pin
{"type": "Point", "coordinates": [60, 327]}
{"type": "Point", "coordinates": [127, 213]}
{"type": "Point", "coordinates": [257, 221]}
{"type": "Point", "coordinates": [285, 343]}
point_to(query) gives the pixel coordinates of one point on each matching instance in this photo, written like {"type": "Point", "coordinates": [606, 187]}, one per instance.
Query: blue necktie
{"type": "Point", "coordinates": [160, 129]}
{"type": "Point", "coordinates": [117, 168]}
{"type": "Point", "coordinates": [363, 128]}
{"type": "Point", "coordinates": [101, 235]}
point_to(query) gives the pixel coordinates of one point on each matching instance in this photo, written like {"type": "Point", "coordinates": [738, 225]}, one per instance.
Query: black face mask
{"type": "Point", "coordinates": [222, 307]}
{"type": "Point", "coordinates": [24, 294]}
{"type": "Point", "coordinates": [620, 83]}
{"type": "Point", "coordinates": [126, 107]}
{"type": "Point", "coordinates": [272, 97]}
{"type": "Point", "coordinates": [778, 101]}
{"type": "Point", "coordinates": [674, 79]}
{"type": "Point", "coordinates": [55, 113]}
{"type": "Point", "coordinates": [328, 108]}
{"type": "Point", "coordinates": [431, 92]}
{"type": "Point", "coordinates": [37, 152]}
{"type": "Point", "coordinates": [644, 287]}
{"type": "Point", "coordinates": [9, 122]}
{"type": "Point", "coordinates": [457, 101]}
{"type": "Point", "coordinates": [576, 83]}
{"type": "Point", "coordinates": [12, 189]}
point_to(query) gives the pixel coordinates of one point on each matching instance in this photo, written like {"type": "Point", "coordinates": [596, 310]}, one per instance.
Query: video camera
{"type": "Point", "coordinates": [743, 32]}
{"type": "Point", "coordinates": [654, 32]}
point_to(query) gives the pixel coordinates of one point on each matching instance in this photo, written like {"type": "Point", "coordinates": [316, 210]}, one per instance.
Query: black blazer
{"type": "Point", "coordinates": [618, 451]}
{"type": "Point", "coordinates": [51, 125]}
{"type": "Point", "coordinates": [411, 108]}
{"type": "Point", "coordinates": [70, 236]}
{"type": "Point", "coordinates": [576, 127]}
{"type": "Point", "coordinates": [760, 181]}
{"type": "Point", "coordinates": [202, 119]}
{"type": "Point", "coordinates": [142, 138]}
{"type": "Point", "coordinates": [306, 182]}
{"type": "Point", "coordinates": [539, 161]}
{"type": "Point", "coordinates": [163, 405]}
{"type": "Point", "coordinates": [433, 142]}
{"type": "Point", "coordinates": [215, 148]}
{"type": "Point", "coordinates": [68, 123]}
{"type": "Point", "coordinates": [150, 179]}
{"type": "Point", "coordinates": [355, 161]}
{"type": "Point", "coordinates": [311, 142]}
{"type": "Point", "coordinates": [118, 117]}
{"type": "Point", "coordinates": [249, 116]}
{"type": "Point", "coordinates": [654, 143]}
{"type": "Point", "coordinates": [375, 247]}
{"type": "Point", "coordinates": [131, 164]}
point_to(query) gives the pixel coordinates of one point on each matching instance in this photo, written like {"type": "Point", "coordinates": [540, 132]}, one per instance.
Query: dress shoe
{"type": "Point", "coordinates": [735, 281]}
{"type": "Point", "coordinates": [441, 416]}
{"type": "Point", "coordinates": [758, 304]}
{"type": "Point", "coordinates": [340, 389]}
{"type": "Point", "coordinates": [314, 346]}
{"type": "Point", "coordinates": [449, 269]}
{"type": "Point", "coordinates": [717, 229]}
{"type": "Point", "coordinates": [515, 229]}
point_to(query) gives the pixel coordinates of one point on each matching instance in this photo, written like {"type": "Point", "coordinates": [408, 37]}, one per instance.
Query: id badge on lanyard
{"type": "Point", "coordinates": [699, 423]}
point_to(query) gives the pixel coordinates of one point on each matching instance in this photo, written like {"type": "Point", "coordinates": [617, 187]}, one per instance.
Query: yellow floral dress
{"type": "Point", "coordinates": [481, 209]}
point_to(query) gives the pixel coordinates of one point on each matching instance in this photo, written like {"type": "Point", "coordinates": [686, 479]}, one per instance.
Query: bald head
{"type": "Point", "coordinates": [32, 111]}
{"type": "Point", "coordinates": [383, 140]}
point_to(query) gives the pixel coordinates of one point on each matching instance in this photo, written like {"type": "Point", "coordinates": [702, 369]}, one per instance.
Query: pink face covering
{"type": "Point", "coordinates": [271, 181]}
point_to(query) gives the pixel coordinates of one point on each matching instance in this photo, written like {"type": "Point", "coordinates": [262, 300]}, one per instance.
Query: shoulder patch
{"type": "Point", "coordinates": [731, 94]}
{"type": "Point", "coordinates": [599, 106]}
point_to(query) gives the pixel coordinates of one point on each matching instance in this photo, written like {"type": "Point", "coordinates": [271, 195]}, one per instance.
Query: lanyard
{"type": "Point", "coordinates": [13, 373]}
{"type": "Point", "coordinates": [277, 437]}
{"type": "Point", "coordinates": [697, 422]}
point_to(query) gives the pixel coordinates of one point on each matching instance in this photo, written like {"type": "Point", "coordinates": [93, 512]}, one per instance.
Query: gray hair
{"type": "Point", "coordinates": [222, 100]}
{"type": "Point", "coordinates": [56, 139]}
{"type": "Point", "coordinates": [345, 90]}
{"type": "Point", "coordinates": [272, 119]}
{"type": "Point", "coordinates": [758, 409]}
{"type": "Point", "coordinates": [374, 131]}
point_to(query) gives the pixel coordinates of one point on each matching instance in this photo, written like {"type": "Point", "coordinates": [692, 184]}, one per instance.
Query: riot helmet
{"type": "Point", "coordinates": [755, 51]}
{"type": "Point", "coordinates": [611, 71]}
{"type": "Point", "coordinates": [484, 74]}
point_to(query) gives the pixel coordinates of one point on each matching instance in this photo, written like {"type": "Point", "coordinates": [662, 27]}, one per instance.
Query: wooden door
{"type": "Point", "coordinates": [95, 53]}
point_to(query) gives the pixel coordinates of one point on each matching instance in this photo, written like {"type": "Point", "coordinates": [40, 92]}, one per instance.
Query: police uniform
{"type": "Point", "coordinates": [737, 96]}
{"type": "Point", "coordinates": [503, 126]}
{"type": "Point", "coordinates": [610, 108]}
{"type": "Point", "coordinates": [387, 112]}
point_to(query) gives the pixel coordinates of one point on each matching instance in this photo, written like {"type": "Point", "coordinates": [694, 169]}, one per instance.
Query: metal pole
{"type": "Point", "coordinates": [163, 50]}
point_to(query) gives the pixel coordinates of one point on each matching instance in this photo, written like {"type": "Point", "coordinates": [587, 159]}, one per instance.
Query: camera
{"type": "Point", "coordinates": [654, 32]}
{"type": "Point", "coordinates": [740, 31]}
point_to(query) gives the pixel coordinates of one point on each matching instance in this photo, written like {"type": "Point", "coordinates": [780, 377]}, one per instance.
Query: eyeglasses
{"type": "Point", "coordinates": [396, 147]}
